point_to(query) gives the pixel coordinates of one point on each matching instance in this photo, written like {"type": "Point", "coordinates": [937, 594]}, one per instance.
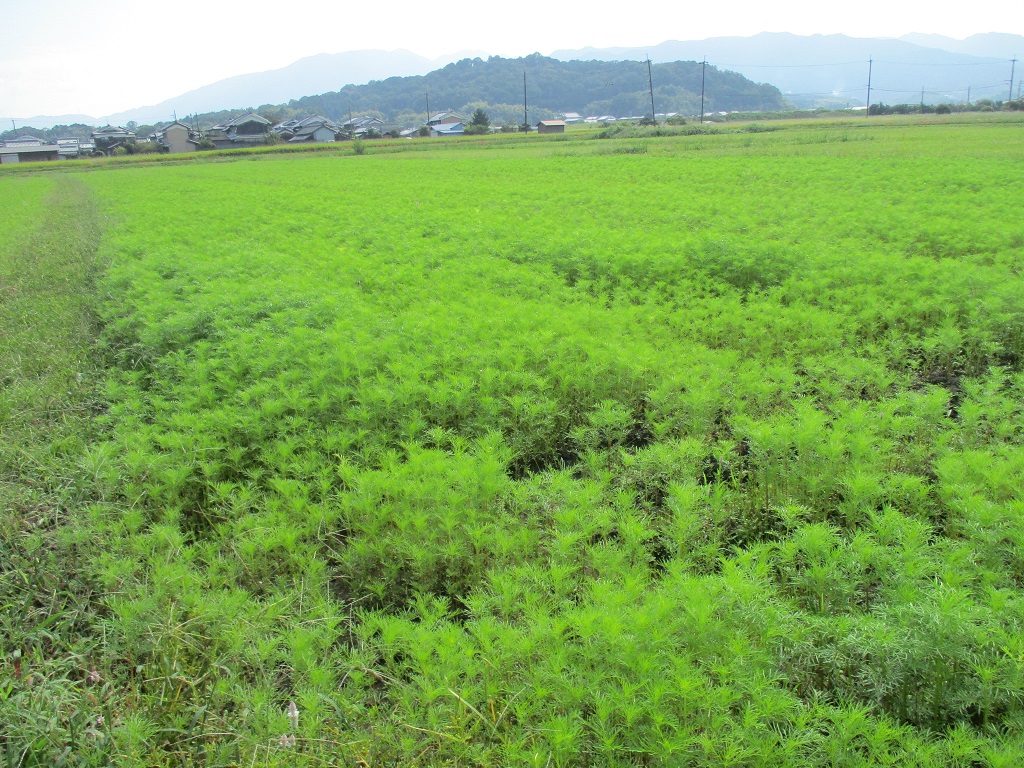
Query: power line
{"type": "Point", "coordinates": [933, 91]}
{"type": "Point", "coordinates": [937, 64]}
{"type": "Point", "coordinates": [791, 66]}
{"type": "Point", "coordinates": [837, 92]}
{"type": "Point", "coordinates": [877, 61]}
{"type": "Point", "coordinates": [929, 91]}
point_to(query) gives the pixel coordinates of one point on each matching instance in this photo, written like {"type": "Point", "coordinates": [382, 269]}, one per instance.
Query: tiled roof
{"type": "Point", "coordinates": [251, 117]}
{"type": "Point", "coordinates": [25, 139]}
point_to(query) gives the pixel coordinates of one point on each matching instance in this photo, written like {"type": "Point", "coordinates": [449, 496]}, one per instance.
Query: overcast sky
{"type": "Point", "coordinates": [62, 57]}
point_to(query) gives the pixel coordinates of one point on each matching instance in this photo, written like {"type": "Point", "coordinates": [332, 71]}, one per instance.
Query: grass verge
{"type": "Point", "coordinates": [51, 699]}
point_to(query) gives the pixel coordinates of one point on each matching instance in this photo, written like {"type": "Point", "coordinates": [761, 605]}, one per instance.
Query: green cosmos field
{"type": "Point", "coordinates": [694, 450]}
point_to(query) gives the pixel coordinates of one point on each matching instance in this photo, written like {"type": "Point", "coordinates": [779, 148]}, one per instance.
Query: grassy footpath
{"type": "Point", "coordinates": [48, 374]}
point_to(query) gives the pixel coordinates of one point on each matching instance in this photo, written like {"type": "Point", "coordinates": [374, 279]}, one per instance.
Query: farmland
{"type": "Point", "coordinates": [691, 450]}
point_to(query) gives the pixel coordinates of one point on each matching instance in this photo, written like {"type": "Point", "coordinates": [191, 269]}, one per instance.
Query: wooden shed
{"type": "Point", "coordinates": [551, 126]}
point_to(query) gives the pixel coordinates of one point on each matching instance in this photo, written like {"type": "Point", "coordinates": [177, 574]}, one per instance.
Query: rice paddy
{"type": "Point", "coordinates": [683, 450]}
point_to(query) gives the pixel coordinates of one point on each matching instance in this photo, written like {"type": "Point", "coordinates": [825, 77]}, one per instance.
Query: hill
{"type": "Point", "coordinates": [588, 87]}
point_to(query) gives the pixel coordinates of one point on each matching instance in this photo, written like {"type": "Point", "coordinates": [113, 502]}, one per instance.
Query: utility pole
{"type": "Point", "coordinates": [868, 112]}
{"type": "Point", "coordinates": [703, 66]}
{"type": "Point", "coordinates": [650, 83]}
{"type": "Point", "coordinates": [1013, 66]}
{"type": "Point", "coordinates": [922, 98]}
{"type": "Point", "coordinates": [526, 120]}
{"type": "Point", "coordinates": [968, 97]}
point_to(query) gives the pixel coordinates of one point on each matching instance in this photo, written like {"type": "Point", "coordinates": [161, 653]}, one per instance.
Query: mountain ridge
{"type": "Point", "coordinates": [1001, 44]}
{"type": "Point", "coordinates": [827, 70]}
{"type": "Point", "coordinates": [811, 70]}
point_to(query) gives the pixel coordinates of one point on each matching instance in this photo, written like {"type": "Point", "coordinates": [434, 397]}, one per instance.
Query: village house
{"type": "Point", "coordinates": [360, 126]}
{"type": "Point", "coordinates": [243, 131]}
{"type": "Point", "coordinates": [285, 129]}
{"type": "Point", "coordinates": [313, 129]}
{"type": "Point", "coordinates": [447, 129]}
{"type": "Point", "coordinates": [110, 137]}
{"type": "Point", "coordinates": [73, 148]}
{"type": "Point", "coordinates": [445, 118]}
{"type": "Point", "coordinates": [25, 140]}
{"type": "Point", "coordinates": [390, 130]}
{"type": "Point", "coordinates": [177, 137]}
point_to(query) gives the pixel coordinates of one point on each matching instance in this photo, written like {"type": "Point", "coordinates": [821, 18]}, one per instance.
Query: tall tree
{"type": "Point", "coordinates": [480, 123]}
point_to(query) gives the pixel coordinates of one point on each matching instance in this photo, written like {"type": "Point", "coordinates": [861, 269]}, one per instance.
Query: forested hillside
{"type": "Point", "coordinates": [588, 87]}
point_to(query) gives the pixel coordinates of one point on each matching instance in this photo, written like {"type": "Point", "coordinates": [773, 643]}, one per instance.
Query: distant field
{"type": "Point", "coordinates": [687, 450]}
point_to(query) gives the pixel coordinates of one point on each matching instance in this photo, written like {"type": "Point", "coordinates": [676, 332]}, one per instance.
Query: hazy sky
{"type": "Point", "coordinates": [66, 57]}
